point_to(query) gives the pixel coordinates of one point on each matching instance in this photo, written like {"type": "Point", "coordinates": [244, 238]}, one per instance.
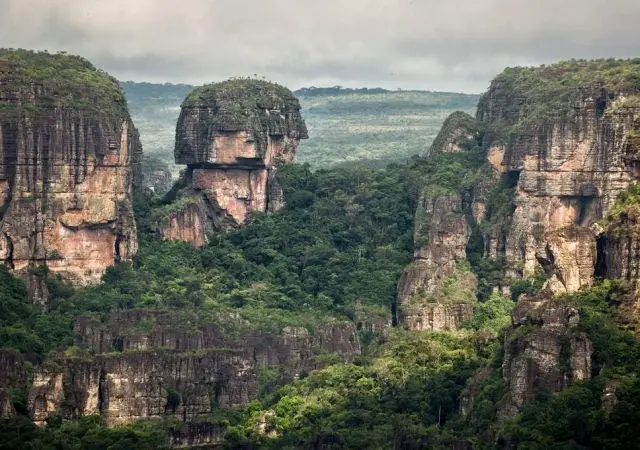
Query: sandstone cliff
{"type": "Point", "coordinates": [68, 160]}
{"type": "Point", "coordinates": [560, 143]}
{"type": "Point", "coordinates": [146, 364]}
{"type": "Point", "coordinates": [561, 134]}
{"type": "Point", "coordinates": [543, 351]}
{"type": "Point", "coordinates": [231, 135]}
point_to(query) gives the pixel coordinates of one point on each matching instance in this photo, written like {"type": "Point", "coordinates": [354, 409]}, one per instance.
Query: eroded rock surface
{"type": "Point", "coordinates": [543, 351]}
{"type": "Point", "coordinates": [68, 160]}
{"type": "Point", "coordinates": [437, 291]}
{"type": "Point", "coordinates": [126, 367]}
{"type": "Point", "coordinates": [231, 135]}
{"type": "Point", "coordinates": [568, 161]}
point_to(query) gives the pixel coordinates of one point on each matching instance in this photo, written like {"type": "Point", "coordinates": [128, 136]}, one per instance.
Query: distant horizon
{"type": "Point", "coordinates": [178, 84]}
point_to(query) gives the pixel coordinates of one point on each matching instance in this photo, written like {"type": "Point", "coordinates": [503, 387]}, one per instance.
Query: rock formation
{"type": "Point", "coordinates": [567, 154]}
{"type": "Point", "coordinates": [543, 350]}
{"type": "Point", "coordinates": [456, 130]}
{"type": "Point", "coordinates": [12, 375]}
{"type": "Point", "coordinates": [561, 144]}
{"type": "Point", "coordinates": [231, 135]}
{"type": "Point", "coordinates": [437, 291]}
{"type": "Point", "coordinates": [68, 160]}
{"type": "Point", "coordinates": [125, 369]}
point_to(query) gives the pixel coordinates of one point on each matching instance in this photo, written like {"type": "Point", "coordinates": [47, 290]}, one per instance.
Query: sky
{"type": "Point", "coordinates": [445, 45]}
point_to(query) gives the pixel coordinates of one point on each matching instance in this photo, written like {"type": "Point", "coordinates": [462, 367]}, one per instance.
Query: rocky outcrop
{"type": "Point", "coordinates": [569, 259]}
{"type": "Point", "coordinates": [458, 129]}
{"type": "Point", "coordinates": [569, 155]}
{"type": "Point", "coordinates": [131, 366]}
{"type": "Point", "coordinates": [68, 160]}
{"type": "Point", "coordinates": [12, 375]}
{"type": "Point", "coordinates": [186, 223]}
{"type": "Point", "coordinates": [543, 351]}
{"type": "Point", "coordinates": [231, 135]}
{"type": "Point", "coordinates": [437, 291]}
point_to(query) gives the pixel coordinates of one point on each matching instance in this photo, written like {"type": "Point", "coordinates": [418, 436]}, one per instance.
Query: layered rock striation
{"type": "Point", "coordinates": [146, 364]}
{"type": "Point", "coordinates": [68, 161]}
{"type": "Point", "coordinates": [563, 134]}
{"type": "Point", "coordinates": [561, 145]}
{"type": "Point", "coordinates": [231, 136]}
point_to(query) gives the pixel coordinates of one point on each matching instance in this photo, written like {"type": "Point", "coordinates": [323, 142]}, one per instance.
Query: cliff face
{"type": "Point", "coordinates": [543, 351]}
{"type": "Point", "coordinates": [231, 135]}
{"type": "Point", "coordinates": [437, 291]}
{"type": "Point", "coordinates": [145, 364]}
{"type": "Point", "coordinates": [12, 375]}
{"type": "Point", "coordinates": [561, 145]}
{"type": "Point", "coordinates": [68, 160]}
{"type": "Point", "coordinates": [567, 151]}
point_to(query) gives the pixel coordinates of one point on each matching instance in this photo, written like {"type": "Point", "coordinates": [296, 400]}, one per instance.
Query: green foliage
{"type": "Point", "coordinates": [528, 287]}
{"type": "Point", "coordinates": [493, 314]}
{"type": "Point", "coordinates": [173, 399]}
{"type": "Point", "coordinates": [88, 432]}
{"type": "Point", "coordinates": [627, 202]}
{"type": "Point", "coordinates": [66, 81]}
{"type": "Point", "coordinates": [549, 92]}
{"type": "Point", "coordinates": [403, 397]}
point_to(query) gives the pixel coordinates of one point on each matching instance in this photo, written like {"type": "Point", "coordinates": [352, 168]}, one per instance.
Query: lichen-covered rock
{"type": "Point", "coordinates": [543, 351]}
{"type": "Point", "coordinates": [458, 129]}
{"type": "Point", "coordinates": [565, 134]}
{"type": "Point", "coordinates": [68, 160]}
{"type": "Point", "coordinates": [125, 368]}
{"type": "Point", "coordinates": [231, 135]}
{"type": "Point", "coordinates": [437, 291]}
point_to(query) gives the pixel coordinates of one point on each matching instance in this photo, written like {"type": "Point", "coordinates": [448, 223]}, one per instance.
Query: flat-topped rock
{"type": "Point", "coordinates": [239, 122]}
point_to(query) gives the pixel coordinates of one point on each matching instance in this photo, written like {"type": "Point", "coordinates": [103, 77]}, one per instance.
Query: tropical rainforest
{"type": "Point", "coordinates": [336, 251]}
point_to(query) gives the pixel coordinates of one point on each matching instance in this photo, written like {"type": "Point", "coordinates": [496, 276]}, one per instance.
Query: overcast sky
{"type": "Point", "coordinates": [453, 45]}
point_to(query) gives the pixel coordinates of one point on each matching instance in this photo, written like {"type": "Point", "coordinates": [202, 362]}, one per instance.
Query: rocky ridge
{"type": "Point", "coordinates": [146, 364]}
{"type": "Point", "coordinates": [561, 145]}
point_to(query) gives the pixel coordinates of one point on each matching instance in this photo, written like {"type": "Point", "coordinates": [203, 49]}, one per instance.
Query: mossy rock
{"type": "Point", "coordinates": [259, 107]}
{"type": "Point", "coordinates": [542, 95]}
{"type": "Point", "coordinates": [457, 129]}
{"type": "Point", "coordinates": [41, 82]}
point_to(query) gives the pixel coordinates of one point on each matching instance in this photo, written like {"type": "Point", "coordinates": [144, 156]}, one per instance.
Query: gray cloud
{"type": "Point", "coordinates": [431, 44]}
